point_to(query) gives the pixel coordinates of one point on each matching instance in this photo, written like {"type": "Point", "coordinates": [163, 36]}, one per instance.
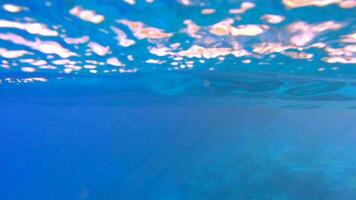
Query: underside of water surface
{"type": "Point", "coordinates": [178, 99]}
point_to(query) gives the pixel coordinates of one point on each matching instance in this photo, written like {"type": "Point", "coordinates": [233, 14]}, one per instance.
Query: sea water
{"type": "Point", "coordinates": [187, 99]}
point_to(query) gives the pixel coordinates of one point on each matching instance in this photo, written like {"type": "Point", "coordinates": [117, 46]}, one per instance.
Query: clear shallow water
{"type": "Point", "coordinates": [177, 100]}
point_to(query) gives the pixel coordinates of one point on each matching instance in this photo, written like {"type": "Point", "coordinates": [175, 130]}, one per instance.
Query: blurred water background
{"type": "Point", "coordinates": [187, 99]}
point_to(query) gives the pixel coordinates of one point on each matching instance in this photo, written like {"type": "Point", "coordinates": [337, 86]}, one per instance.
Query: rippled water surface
{"type": "Point", "coordinates": [178, 99]}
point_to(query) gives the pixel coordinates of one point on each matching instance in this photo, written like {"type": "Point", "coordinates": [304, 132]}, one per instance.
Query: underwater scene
{"type": "Point", "coordinates": [178, 99]}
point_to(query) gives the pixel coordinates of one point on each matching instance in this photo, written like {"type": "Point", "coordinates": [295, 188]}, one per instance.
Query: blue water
{"type": "Point", "coordinates": [109, 99]}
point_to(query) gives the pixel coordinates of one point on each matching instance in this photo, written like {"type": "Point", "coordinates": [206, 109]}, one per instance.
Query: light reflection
{"type": "Point", "coordinates": [98, 49]}
{"type": "Point", "coordinates": [188, 43]}
{"type": "Point", "coordinates": [5, 53]}
{"type": "Point", "coordinates": [32, 28]}
{"type": "Point", "coordinates": [273, 19]}
{"type": "Point", "coordinates": [142, 31]}
{"type": "Point", "coordinates": [12, 8]}
{"type": "Point", "coordinates": [319, 3]}
{"type": "Point", "coordinates": [87, 15]}
{"type": "Point", "coordinates": [46, 47]}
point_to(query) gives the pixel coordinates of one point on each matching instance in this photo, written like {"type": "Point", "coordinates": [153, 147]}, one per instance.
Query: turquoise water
{"type": "Point", "coordinates": [187, 99]}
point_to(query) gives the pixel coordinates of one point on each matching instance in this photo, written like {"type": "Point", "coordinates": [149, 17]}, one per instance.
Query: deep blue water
{"type": "Point", "coordinates": [173, 100]}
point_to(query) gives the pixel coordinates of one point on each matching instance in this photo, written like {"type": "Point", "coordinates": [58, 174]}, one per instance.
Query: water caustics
{"type": "Point", "coordinates": [280, 48]}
